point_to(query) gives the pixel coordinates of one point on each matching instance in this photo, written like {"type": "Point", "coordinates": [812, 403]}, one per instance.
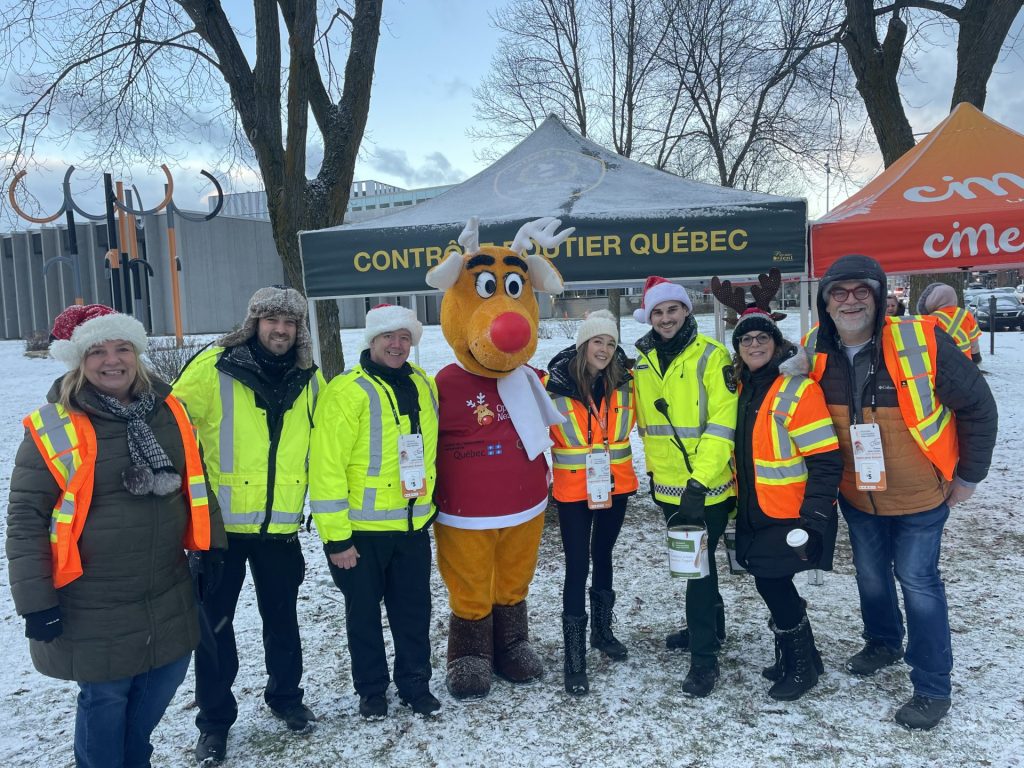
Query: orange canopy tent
{"type": "Point", "coordinates": [954, 201]}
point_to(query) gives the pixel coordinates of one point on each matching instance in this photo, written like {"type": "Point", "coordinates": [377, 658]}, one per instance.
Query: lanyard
{"type": "Point", "coordinates": [592, 410]}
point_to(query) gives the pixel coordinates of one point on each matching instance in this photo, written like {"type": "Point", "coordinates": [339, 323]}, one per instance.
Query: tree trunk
{"type": "Point", "coordinates": [918, 283]}
{"type": "Point", "coordinates": [876, 67]}
{"type": "Point", "coordinates": [614, 303]}
{"type": "Point", "coordinates": [984, 25]}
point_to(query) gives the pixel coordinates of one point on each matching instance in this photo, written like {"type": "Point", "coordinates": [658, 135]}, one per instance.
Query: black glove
{"type": "Point", "coordinates": [44, 625]}
{"type": "Point", "coordinates": [691, 505]}
{"type": "Point", "coordinates": [207, 566]}
{"type": "Point", "coordinates": [814, 519]}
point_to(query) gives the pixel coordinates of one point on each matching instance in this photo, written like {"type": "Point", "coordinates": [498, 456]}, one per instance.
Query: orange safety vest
{"type": "Point", "coordinates": [961, 325]}
{"type": "Point", "coordinates": [909, 351]}
{"type": "Point", "coordinates": [795, 424]}
{"type": "Point", "coordinates": [570, 449]}
{"type": "Point", "coordinates": [67, 442]}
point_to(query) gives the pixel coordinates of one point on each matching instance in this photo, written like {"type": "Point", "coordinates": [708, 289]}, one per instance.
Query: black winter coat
{"type": "Point", "coordinates": [761, 540]}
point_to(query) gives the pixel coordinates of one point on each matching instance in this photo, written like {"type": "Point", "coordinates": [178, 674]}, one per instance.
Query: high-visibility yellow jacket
{"type": "Point", "coordinates": [242, 458]}
{"type": "Point", "coordinates": [700, 392]}
{"type": "Point", "coordinates": [355, 483]}
{"type": "Point", "coordinates": [67, 442]}
{"type": "Point", "coordinates": [961, 325]}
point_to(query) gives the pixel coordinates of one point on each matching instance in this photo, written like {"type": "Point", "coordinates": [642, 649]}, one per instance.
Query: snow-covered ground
{"type": "Point", "coordinates": [635, 713]}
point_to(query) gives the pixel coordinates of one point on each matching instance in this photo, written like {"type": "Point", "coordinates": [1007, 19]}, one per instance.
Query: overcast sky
{"type": "Point", "coordinates": [433, 53]}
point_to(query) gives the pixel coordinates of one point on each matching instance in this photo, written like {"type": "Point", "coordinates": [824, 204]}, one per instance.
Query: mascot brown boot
{"type": "Point", "coordinates": [470, 645]}
{"type": "Point", "coordinates": [514, 659]}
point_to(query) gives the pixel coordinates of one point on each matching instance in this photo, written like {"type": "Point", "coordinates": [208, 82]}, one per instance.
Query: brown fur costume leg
{"type": "Point", "coordinates": [469, 657]}
{"type": "Point", "coordinates": [515, 563]}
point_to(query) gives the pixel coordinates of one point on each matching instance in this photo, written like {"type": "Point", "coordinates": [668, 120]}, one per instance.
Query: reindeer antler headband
{"type": "Point", "coordinates": [735, 297]}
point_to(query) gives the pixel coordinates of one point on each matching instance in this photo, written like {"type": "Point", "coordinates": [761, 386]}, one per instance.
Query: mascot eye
{"type": "Point", "coordinates": [486, 284]}
{"type": "Point", "coordinates": [513, 285]}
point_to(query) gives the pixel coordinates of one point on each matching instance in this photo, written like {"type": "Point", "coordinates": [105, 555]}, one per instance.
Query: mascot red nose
{"type": "Point", "coordinates": [492, 475]}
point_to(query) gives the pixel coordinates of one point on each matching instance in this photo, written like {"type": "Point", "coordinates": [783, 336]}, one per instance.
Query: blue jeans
{"type": "Point", "coordinates": [907, 547]}
{"type": "Point", "coordinates": [115, 719]}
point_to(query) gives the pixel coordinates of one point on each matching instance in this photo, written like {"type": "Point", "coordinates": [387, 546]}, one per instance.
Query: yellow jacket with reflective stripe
{"type": "Point", "coordinates": [795, 424]}
{"type": "Point", "coordinates": [570, 449]}
{"type": "Point", "coordinates": [355, 484]}
{"type": "Point", "coordinates": [961, 325]}
{"type": "Point", "coordinates": [237, 447]}
{"type": "Point", "coordinates": [702, 407]}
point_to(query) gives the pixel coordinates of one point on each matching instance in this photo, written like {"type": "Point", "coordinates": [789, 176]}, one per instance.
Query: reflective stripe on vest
{"type": "Point", "coordinates": [67, 443]}
{"type": "Point", "coordinates": [779, 445]}
{"type": "Point", "coordinates": [909, 350]}
{"type": "Point", "coordinates": [953, 321]}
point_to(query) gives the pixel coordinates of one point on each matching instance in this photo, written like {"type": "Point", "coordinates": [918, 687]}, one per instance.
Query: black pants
{"type": "Point", "coordinates": [395, 568]}
{"type": "Point", "coordinates": [782, 599]}
{"type": "Point", "coordinates": [277, 570]}
{"type": "Point", "coordinates": [588, 535]}
{"type": "Point", "coordinates": [703, 600]}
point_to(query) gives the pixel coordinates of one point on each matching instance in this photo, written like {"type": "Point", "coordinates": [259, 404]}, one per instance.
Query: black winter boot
{"type": "Point", "coordinates": [602, 601]}
{"type": "Point", "coordinates": [773, 672]}
{"type": "Point", "coordinates": [574, 630]}
{"type": "Point", "coordinates": [799, 673]}
{"type": "Point", "coordinates": [680, 641]}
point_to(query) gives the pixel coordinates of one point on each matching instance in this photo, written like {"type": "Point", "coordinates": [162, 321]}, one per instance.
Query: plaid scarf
{"type": "Point", "coordinates": [151, 470]}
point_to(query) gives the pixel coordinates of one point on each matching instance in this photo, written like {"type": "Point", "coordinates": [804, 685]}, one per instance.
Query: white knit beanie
{"type": "Point", "coordinates": [598, 322]}
{"type": "Point", "coordinates": [385, 318]}
{"type": "Point", "coordinates": [79, 328]}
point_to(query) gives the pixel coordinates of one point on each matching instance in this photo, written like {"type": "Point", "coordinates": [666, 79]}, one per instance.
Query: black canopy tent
{"type": "Point", "coordinates": [631, 221]}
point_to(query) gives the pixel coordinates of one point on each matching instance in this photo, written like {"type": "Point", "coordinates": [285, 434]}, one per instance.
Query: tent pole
{"type": "Point", "coordinates": [416, 309]}
{"type": "Point", "coordinates": [719, 320]}
{"type": "Point", "coordinates": [805, 309]}
{"type": "Point", "coordinates": [314, 330]}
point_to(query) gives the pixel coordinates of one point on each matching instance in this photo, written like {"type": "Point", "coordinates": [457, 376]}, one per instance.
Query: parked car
{"type": "Point", "coordinates": [1009, 310]}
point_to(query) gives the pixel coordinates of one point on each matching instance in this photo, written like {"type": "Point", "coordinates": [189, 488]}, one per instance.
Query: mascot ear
{"type": "Point", "coordinates": [543, 276]}
{"type": "Point", "coordinates": [445, 274]}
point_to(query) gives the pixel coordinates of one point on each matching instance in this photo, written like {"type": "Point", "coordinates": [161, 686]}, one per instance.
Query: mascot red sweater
{"type": "Point", "coordinates": [492, 475]}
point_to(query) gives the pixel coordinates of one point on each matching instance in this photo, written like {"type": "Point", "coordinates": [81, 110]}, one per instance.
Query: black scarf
{"type": "Point", "coordinates": [668, 349]}
{"type": "Point", "coordinates": [151, 470]}
{"type": "Point", "coordinates": [401, 383]}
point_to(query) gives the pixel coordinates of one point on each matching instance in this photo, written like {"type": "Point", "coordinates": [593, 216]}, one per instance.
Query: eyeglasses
{"type": "Point", "coordinates": [754, 338]}
{"type": "Point", "coordinates": [840, 295]}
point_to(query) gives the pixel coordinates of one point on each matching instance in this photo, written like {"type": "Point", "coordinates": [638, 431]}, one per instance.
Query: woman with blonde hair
{"type": "Point", "coordinates": [107, 493]}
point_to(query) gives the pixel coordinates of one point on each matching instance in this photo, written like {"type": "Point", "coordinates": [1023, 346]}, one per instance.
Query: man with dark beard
{"type": "Point", "coordinates": [686, 410]}
{"type": "Point", "coordinates": [252, 397]}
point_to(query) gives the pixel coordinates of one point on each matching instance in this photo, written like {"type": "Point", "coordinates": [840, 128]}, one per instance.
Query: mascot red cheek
{"type": "Point", "coordinates": [492, 475]}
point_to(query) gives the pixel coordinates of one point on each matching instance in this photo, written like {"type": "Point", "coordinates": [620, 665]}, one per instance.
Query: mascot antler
{"type": "Point", "coordinates": [735, 297]}
{"type": "Point", "coordinates": [543, 276]}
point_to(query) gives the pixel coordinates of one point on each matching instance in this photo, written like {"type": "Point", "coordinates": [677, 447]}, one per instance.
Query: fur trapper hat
{"type": "Point", "coordinates": [79, 328]}
{"type": "Point", "coordinates": [656, 290]}
{"type": "Point", "coordinates": [275, 300]}
{"type": "Point", "coordinates": [385, 318]}
{"type": "Point", "coordinates": [598, 322]}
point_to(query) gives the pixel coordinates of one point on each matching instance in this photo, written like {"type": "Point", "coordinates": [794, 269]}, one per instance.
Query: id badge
{"type": "Point", "coordinates": [868, 462]}
{"type": "Point", "coordinates": [599, 480]}
{"type": "Point", "coordinates": [410, 466]}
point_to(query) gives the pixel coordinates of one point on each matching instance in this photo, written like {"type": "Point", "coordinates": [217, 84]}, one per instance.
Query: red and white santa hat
{"type": "Point", "coordinates": [385, 318]}
{"type": "Point", "coordinates": [656, 290]}
{"type": "Point", "coordinates": [80, 327]}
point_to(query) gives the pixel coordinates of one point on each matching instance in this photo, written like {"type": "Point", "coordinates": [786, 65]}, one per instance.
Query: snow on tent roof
{"type": "Point", "coordinates": [631, 220]}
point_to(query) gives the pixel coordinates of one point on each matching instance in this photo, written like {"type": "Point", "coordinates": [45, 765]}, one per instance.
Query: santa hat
{"type": "Point", "coordinates": [275, 301]}
{"type": "Point", "coordinates": [80, 327]}
{"type": "Point", "coordinates": [753, 320]}
{"type": "Point", "coordinates": [598, 322]}
{"type": "Point", "coordinates": [656, 290]}
{"type": "Point", "coordinates": [385, 318]}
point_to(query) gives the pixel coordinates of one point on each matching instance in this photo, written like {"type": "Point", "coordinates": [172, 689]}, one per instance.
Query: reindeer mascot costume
{"type": "Point", "coordinates": [492, 475]}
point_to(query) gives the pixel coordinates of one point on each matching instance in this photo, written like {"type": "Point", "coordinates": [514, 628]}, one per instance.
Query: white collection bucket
{"type": "Point", "coordinates": [688, 552]}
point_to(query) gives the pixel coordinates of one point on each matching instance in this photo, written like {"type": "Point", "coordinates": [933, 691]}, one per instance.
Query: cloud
{"type": "Point", "coordinates": [434, 170]}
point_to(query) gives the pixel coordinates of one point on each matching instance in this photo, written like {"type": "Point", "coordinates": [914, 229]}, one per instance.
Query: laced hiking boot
{"type": "Point", "coordinates": [602, 601]}
{"type": "Point", "coordinates": [922, 713]}
{"type": "Point", "coordinates": [212, 748]}
{"type": "Point", "coordinates": [700, 681]}
{"type": "Point", "coordinates": [373, 707]}
{"type": "Point", "coordinates": [873, 657]}
{"type": "Point", "coordinates": [298, 717]}
{"type": "Point", "coordinates": [424, 705]}
{"type": "Point", "coordinates": [574, 632]}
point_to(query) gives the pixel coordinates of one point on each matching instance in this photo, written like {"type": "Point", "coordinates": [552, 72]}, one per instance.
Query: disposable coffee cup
{"type": "Point", "coordinates": [797, 539]}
